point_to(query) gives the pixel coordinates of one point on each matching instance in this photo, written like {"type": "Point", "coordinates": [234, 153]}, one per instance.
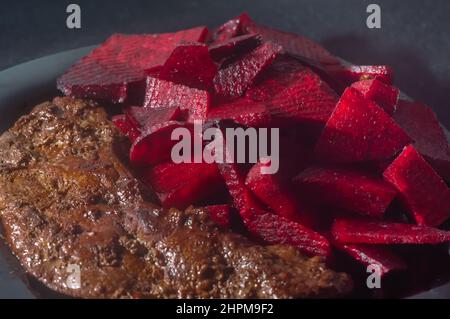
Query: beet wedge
{"type": "Point", "coordinates": [421, 124]}
{"type": "Point", "coordinates": [184, 184]}
{"type": "Point", "coordinates": [367, 255]}
{"type": "Point", "coordinates": [126, 127]}
{"type": "Point", "coordinates": [274, 229]}
{"type": "Point", "coordinates": [229, 29]}
{"type": "Point", "coordinates": [106, 72]}
{"type": "Point", "coordinates": [295, 45]}
{"type": "Point", "coordinates": [306, 99]}
{"type": "Point", "coordinates": [242, 111]}
{"type": "Point", "coordinates": [358, 131]}
{"type": "Point", "coordinates": [368, 232]}
{"type": "Point", "coordinates": [190, 64]}
{"type": "Point", "coordinates": [154, 145]}
{"type": "Point", "coordinates": [347, 74]}
{"type": "Point", "coordinates": [234, 46]}
{"type": "Point", "coordinates": [221, 214]}
{"type": "Point", "coordinates": [236, 78]}
{"type": "Point", "coordinates": [348, 189]}
{"type": "Point", "coordinates": [143, 117]}
{"type": "Point", "coordinates": [382, 94]}
{"type": "Point", "coordinates": [165, 94]}
{"type": "Point", "coordinates": [423, 192]}
{"type": "Point", "coordinates": [275, 194]}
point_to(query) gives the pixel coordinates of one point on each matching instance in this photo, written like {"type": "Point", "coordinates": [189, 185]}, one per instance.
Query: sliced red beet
{"type": "Point", "coordinates": [242, 111]}
{"type": "Point", "coordinates": [295, 45]}
{"type": "Point", "coordinates": [221, 214]}
{"type": "Point", "coordinates": [271, 191]}
{"type": "Point", "coordinates": [274, 229]}
{"type": "Point", "coordinates": [190, 64]}
{"type": "Point", "coordinates": [423, 191]}
{"type": "Point", "coordinates": [348, 189]}
{"type": "Point", "coordinates": [229, 29]}
{"type": "Point", "coordinates": [236, 78]}
{"type": "Point", "coordinates": [359, 130]}
{"type": "Point", "coordinates": [353, 73]}
{"type": "Point", "coordinates": [126, 127]}
{"type": "Point", "coordinates": [184, 184]}
{"type": "Point", "coordinates": [105, 73]}
{"type": "Point", "coordinates": [143, 117]}
{"type": "Point", "coordinates": [154, 145]}
{"type": "Point", "coordinates": [305, 99]}
{"type": "Point", "coordinates": [369, 232]}
{"type": "Point", "coordinates": [160, 93]}
{"type": "Point", "coordinates": [384, 258]}
{"type": "Point", "coordinates": [382, 94]}
{"type": "Point", "coordinates": [237, 45]}
{"type": "Point", "coordinates": [421, 124]}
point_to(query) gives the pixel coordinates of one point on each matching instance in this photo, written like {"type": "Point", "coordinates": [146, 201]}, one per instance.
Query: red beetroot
{"type": "Point", "coordinates": [237, 45]}
{"type": "Point", "coordinates": [424, 193]}
{"type": "Point", "coordinates": [142, 117]}
{"type": "Point", "coordinates": [359, 130]}
{"type": "Point", "coordinates": [421, 124]}
{"type": "Point", "coordinates": [190, 64]}
{"type": "Point", "coordinates": [126, 127]}
{"type": "Point", "coordinates": [369, 232]}
{"type": "Point", "coordinates": [236, 78]}
{"type": "Point", "coordinates": [229, 29]}
{"type": "Point", "coordinates": [107, 71]}
{"type": "Point", "coordinates": [382, 94]}
{"type": "Point", "coordinates": [295, 45]}
{"type": "Point", "coordinates": [221, 214]}
{"type": "Point", "coordinates": [242, 111]}
{"type": "Point", "coordinates": [352, 73]}
{"type": "Point", "coordinates": [154, 145]}
{"type": "Point", "coordinates": [271, 191]}
{"type": "Point", "coordinates": [374, 255]}
{"type": "Point", "coordinates": [274, 229]}
{"type": "Point", "coordinates": [184, 184]}
{"type": "Point", "coordinates": [160, 93]}
{"type": "Point", "coordinates": [348, 189]}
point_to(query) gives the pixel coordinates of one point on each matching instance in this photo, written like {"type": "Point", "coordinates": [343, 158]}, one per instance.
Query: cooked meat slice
{"type": "Point", "coordinates": [67, 198]}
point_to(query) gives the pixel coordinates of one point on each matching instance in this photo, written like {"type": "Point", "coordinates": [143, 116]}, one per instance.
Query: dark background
{"type": "Point", "coordinates": [414, 37]}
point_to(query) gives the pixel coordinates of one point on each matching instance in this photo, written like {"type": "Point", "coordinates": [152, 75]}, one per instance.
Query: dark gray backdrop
{"type": "Point", "coordinates": [414, 37]}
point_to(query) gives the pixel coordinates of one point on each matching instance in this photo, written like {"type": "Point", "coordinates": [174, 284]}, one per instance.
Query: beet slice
{"type": "Point", "coordinates": [142, 117]}
{"type": "Point", "coordinates": [423, 192]}
{"type": "Point", "coordinates": [190, 64]}
{"type": "Point", "coordinates": [242, 111]}
{"type": "Point", "coordinates": [236, 78]}
{"type": "Point", "coordinates": [382, 94]}
{"type": "Point", "coordinates": [369, 232]}
{"type": "Point", "coordinates": [374, 255]}
{"type": "Point", "coordinates": [271, 191]}
{"type": "Point", "coordinates": [154, 145]}
{"type": "Point", "coordinates": [221, 214]}
{"type": "Point", "coordinates": [359, 130]}
{"type": "Point", "coordinates": [421, 124]}
{"type": "Point", "coordinates": [126, 127]}
{"type": "Point", "coordinates": [351, 190]}
{"type": "Point", "coordinates": [274, 229]}
{"type": "Point", "coordinates": [105, 73]}
{"type": "Point", "coordinates": [347, 74]}
{"type": "Point", "coordinates": [295, 45]}
{"type": "Point", "coordinates": [305, 99]}
{"type": "Point", "coordinates": [160, 93]}
{"type": "Point", "coordinates": [229, 29]}
{"type": "Point", "coordinates": [184, 184]}
{"type": "Point", "coordinates": [237, 45]}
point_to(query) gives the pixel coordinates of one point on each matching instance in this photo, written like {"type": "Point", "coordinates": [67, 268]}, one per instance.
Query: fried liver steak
{"type": "Point", "coordinates": [67, 198]}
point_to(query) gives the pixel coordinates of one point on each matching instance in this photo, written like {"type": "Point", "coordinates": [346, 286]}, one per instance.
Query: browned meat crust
{"type": "Point", "coordinates": [66, 198]}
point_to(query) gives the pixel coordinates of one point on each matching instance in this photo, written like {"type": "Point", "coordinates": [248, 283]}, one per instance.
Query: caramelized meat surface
{"type": "Point", "coordinates": [67, 198]}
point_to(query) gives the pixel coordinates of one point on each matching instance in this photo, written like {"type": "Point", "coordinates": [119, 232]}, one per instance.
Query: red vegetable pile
{"type": "Point", "coordinates": [350, 148]}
